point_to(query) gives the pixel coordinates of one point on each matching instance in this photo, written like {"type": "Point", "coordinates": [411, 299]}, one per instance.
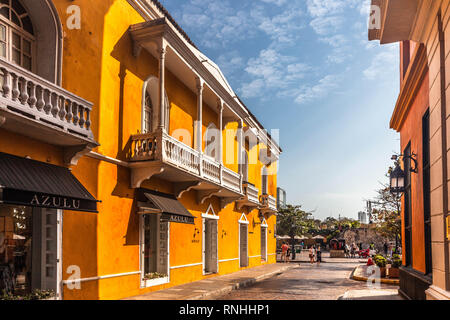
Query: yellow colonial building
{"type": "Point", "coordinates": [127, 162]}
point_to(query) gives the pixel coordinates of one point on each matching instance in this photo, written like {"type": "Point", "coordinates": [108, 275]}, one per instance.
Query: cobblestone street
{"type": "Point", "coordinates": [329, 281]}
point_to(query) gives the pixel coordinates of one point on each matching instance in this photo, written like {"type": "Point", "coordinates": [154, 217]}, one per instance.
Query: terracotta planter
{"type": "Point", "coordinates": [393, 272]}
{"type": "Point", "coordinates": [383, 272]}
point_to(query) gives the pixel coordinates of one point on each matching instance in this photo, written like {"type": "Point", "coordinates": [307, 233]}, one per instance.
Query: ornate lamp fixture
{"type": "Point", "coordinates": [397, 176]}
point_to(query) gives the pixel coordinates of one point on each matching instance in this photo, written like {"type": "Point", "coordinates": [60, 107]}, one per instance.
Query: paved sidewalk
{"type": "Point", "coordinates": [303, 257]}
{"type": "Point", "coordinates": [360, 273]}
{"type": "Point", "coordinates": [372, 294]}
{"type": "Point", "coordinates": [216, 286]}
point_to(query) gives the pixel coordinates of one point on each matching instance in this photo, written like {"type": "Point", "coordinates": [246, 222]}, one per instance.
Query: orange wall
{"type": "Point", "coordinates": [98, 65]}
{"type": "Point", "coordinates": [411, 132]}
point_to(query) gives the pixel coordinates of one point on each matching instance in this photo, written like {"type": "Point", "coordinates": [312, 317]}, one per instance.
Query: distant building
{"type": "Point", "coordinates": [362, 217]}
{"type": "Point", "coordinates": [281, 198]}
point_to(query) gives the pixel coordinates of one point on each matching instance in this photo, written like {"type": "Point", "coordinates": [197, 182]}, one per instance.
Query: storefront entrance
{"type": "Point", "coordinates": [33, 196]}
{"type": "Point", "coordinates": [30, 250]}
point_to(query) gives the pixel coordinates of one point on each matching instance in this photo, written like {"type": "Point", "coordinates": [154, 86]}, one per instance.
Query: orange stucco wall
{"type": "Point", "coordinates": [409, 133]}
{"type": "Point", "coordinates": [98, 65]}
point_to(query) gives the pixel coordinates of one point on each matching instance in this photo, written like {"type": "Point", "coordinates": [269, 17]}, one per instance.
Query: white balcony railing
{"type": "Point", "coordinates": [24, 93]}
{"type": "Point", "coordinates": [269, 202]}
{"type": "Point", "coordinates": [161, 146]}
{"type": "Point", "coordinates": [251, 192]}
{"type": "Point", "coordinates": [272, 203]}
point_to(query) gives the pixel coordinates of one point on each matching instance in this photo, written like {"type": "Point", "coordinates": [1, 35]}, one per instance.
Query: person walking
{"type": "Point", "coordinates": [284, 250]}
{"type": "Point", "coordinates": [311, 254]}
{"type": "Point", "coordinates": [319, 255]}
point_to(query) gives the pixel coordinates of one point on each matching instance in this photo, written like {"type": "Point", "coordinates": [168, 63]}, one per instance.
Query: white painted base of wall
{"type": "Point", "coordinates": [436, 293]}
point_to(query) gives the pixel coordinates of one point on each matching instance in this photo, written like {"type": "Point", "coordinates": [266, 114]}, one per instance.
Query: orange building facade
{"type": "Point", "coordinates": [421, 117]}
{"type": "Point", "coordinates": [127, 163]}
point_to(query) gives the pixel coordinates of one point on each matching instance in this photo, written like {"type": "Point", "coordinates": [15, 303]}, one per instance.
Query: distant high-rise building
{"type": "Point", "coordinates": [281, 198]}
{"type": "Point", "coordinates": [362, 217]}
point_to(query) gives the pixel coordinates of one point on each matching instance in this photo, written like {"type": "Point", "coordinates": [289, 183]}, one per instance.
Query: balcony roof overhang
{"type": "Point", "coordinates": [401, 20]}
{"type": "Point", "coordinates": [188, 63]}
{"type": "Point", "coordinates": [396, 20]}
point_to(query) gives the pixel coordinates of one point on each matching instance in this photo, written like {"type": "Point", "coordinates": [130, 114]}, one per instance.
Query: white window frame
{"type": "Point", "coordinates": [10, 27]}
{"type": "Point", "coordinates": [152, 282]}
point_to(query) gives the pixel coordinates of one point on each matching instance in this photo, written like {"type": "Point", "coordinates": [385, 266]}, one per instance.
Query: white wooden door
{"type": "Point", "coordinates": [163, 250]}
{"type": "Point", "coordinates": [264, 243]}
{"type": "Point", "coordinates": [210, 251]}
{"type": "Point", "coordinates": [51, 250]}
{"type": "Point", "coordinates": [243, 239]}
{"type": "Point", "coordinates": [214, 249]}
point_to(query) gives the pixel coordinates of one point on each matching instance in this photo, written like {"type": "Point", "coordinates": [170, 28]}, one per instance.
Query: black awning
{"type": "Point", "coordinates": [32, 183]}
{"type": "Point", "coordinates": [150, 201]}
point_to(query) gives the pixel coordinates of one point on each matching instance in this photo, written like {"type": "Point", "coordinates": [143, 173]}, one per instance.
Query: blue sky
{"type": "Point", "coordinates": [306, 67]}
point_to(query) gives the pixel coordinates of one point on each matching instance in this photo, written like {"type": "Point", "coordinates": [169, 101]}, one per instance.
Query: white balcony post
{"type": "Point", "coordinates": [220, 121]}
{"type": "Point", "coordinates": [199, 122]}
{"type": "Point", "coordinates": [162, 69]}
{"type": "Point", "coordinates": [219, 156]}
{"type": "Point", "coordinates": [240, 135]}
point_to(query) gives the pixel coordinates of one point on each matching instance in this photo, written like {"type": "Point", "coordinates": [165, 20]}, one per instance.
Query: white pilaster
{"type": "Point", "coordinates": [198, 125]}
{"type": "Point", "coordinates": [162, 68]}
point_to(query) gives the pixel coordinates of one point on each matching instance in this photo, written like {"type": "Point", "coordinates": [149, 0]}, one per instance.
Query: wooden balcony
{"type": "Point", "coordinates": [268, 204]}
{"type": "Point", "coordinates": [250, 199]}
{"type": "Point", "coordinates": [37, 108]}
{"type": "Point", "coordinates": [159, 154]}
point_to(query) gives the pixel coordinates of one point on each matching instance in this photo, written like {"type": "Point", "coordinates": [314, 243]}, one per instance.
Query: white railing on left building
{"type": "Point", "coordinates": [160, 146]}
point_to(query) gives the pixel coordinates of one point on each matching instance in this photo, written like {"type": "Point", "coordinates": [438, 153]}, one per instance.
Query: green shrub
{"type": "Point", "coordinates": [35, 295]}
{"type": "Point", "coordinates": [380, 261]}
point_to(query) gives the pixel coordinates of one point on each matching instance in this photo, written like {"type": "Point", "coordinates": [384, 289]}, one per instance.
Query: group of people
{"type": "Point", "coordinates": [352, 250]}
{"type": "Point", "coordinates": [315, 253]}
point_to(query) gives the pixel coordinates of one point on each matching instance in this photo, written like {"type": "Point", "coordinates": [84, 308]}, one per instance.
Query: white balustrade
{"type": "Point", "coordinates": [251, 193]}
{"type": "Point", "coordinates": [231, 179]}
{"type": "Point", "coordinates": [211, 169]}
{"type": "Point", "coordinates": [272, 201]}
{"type": "Point", "coordinates": [180, 155]}
{"type": "Point", "coordinates": [26, 93]}
{"type": "Point", "coordinates": [161, 146]}
{"type": "Point", "coordinates": [269, 202]}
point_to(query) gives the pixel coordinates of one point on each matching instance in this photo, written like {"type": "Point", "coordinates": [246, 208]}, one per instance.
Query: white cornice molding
{"type": "Point", "coordinates": [145, 9]}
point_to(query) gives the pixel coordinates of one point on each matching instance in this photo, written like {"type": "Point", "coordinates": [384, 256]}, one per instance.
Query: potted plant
{"type": "Point", "coordinates": [380, 261]}
{"type": "Point", "coordinates": [34, 295]}
{"type": "Point", "coordinates": [395, 265]}
{"type": "Point", "coordinates": [154, 275]}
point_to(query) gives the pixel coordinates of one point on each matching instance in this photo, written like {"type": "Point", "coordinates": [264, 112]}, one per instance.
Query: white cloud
{"type": "Point", "coordinates": [276, 2]}
{"type": "Point", "coordinates": [320, 8]}
{"type": "Point", "coordinates": [272, 70]}
{"type": "Point", "coordinates": [382, 61]}
{"type": "Point", "coordinates": [230, 62]}
{"type": "Point", "coordinates": [282, 28]}
{"type": "Point", "coordinates": [326, 25]}
{"type": "Point", "coordinates": [319, 90]}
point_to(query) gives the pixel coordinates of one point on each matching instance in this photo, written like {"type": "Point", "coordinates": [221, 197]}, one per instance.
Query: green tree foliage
{"type": "Point", "coordinates": [293, 221]}
{"type": "Point", "coordinates": [386, 213]}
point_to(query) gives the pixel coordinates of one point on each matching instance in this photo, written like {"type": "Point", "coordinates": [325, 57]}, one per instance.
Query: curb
{"type": "Point", "coordinates": [382, 280]}
{"type": "Point", "coordinates": [237, 285]}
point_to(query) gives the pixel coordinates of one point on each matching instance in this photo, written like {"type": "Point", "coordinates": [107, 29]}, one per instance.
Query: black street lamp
{"type": "Point", "coordinates": [397, 180]}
